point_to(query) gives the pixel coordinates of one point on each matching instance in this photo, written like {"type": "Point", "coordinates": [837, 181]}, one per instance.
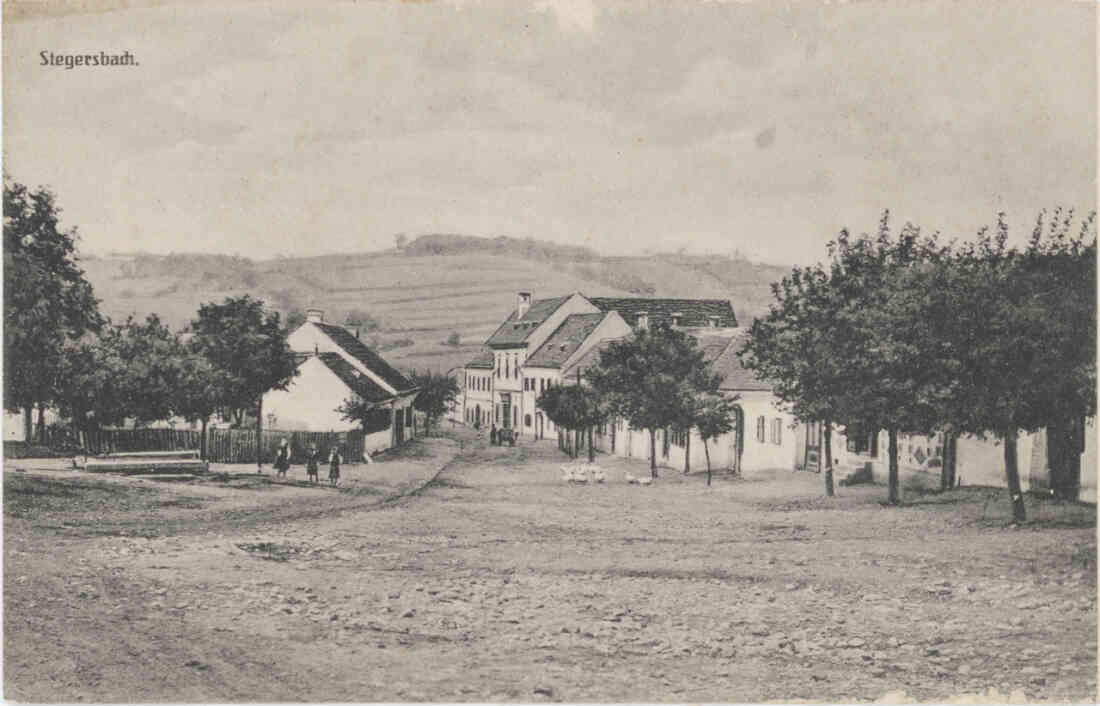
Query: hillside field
{"type": "Point", "coordinates": [420, 295]}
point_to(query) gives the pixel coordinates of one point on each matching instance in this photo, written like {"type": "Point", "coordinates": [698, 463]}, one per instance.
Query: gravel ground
{"type": "Point", "coordinates": [502, 583]}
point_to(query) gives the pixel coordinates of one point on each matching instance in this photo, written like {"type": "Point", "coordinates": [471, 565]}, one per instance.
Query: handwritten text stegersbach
{"type": "Point", "coordinates": [69, 61]}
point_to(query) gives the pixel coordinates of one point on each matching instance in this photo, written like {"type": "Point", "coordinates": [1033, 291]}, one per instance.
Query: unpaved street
{"type": "Point", "coordinates": [500, 582]}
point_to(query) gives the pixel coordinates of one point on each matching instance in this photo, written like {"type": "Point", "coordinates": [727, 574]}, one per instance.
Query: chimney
{"type": "Point", "coordinates": [317, 316]}
{"type": "Point", "coordinates": [523, 304]}
{"type": "Point", "coordinates": [643, 320]}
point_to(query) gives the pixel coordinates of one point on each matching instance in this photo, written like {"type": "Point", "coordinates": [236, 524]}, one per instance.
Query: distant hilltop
{"type": "Point", "coordinates": [423, 292]}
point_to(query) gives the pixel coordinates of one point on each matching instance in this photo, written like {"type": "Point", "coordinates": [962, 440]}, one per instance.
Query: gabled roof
{"type": "Point", "coordinates": [516, 330]}
{"type": "Point", "coordinates": [693, 312]}
{"type": "Point", "coordinates": [483, 359]}
{"type": "Point", "coordinates": [589, 359]}
{"type": "Point", "coordinates": [565, 340]}
{"type": "Point", "coordinates": [736, 376]}
{"type": "Point", "coordinates": [374, 362]}
{"type": "Point", "coordinates": [360, 383]}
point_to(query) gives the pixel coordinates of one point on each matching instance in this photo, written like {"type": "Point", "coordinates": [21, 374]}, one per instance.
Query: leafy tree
{"type": "Point", "coordinates": [295, 318]}
{"type": "Point", "coordinates": [802, 347]}
{"type": "Point", "coordinates": [712, 417]}
{"type": "Point", "coordinates": [1023, 335]}
{"type": "Point", "coordinates": [373, 416]}
{"type": "Point", "coordinates": [248, 348]}
{"type": "Point", "coordinates": [361, 319]}
{"type": "Point", "coordinates": [651, 379]}
{"type": "Point", "coordinates": [47, 300]}
{"type": "Point", "coordinates": [438, 393]}
{"type": "Point", "coordinates": [198, 391]}
{"type": "Point", "coordinates": [575, 408]}
{"type": "Point", "coordinates": [149, 354]}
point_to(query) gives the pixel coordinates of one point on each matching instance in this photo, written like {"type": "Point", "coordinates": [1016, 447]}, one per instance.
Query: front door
{"type": "Point", "coordinates": [506, 409]}
{"type": "Point", "coordinates": [737, 440]}
{"type": "Point", "coordinates": [399, 426]}
{"type": "Point", "coordinates": [813, 447]}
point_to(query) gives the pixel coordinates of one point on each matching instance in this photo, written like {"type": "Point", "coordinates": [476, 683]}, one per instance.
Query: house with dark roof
{"type": "Point", "coordinates": [335, 366]}
{"type": "Point", "coordinates": [764, 436]}
{"type": "Point", "coordinates": [541, 340]}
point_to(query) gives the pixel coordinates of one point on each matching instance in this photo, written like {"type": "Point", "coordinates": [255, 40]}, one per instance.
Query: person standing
{"type": "Point", "coordinates": [311, 463]}
{"type": "Point", "coordinates": [334, 460]}
{"type": "Point", "coordinates": [282, 458]}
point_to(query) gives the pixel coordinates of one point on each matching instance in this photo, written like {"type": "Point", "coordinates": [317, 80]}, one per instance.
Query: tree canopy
{"type": "Point", "coordinates": [48, 302]}
{"type": "Point", "coordinates": [437, 394]}
{"type": "Point", "coordinates": [651, 379]}
{"type": "Point", "coordinates": [248, 347]}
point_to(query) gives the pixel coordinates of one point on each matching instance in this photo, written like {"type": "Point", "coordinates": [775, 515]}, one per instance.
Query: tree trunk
{"type": "Point", "coordinates": [260, 435]}
{"type": "Point", "coordinates": [576, 442]}
{"type": "Point", "coordinates": [40, 432]}
{"type": "Point", "coordinates": [895, 496]}
{"type": "Point", "coordinates": [1064, 447]}
{"type": "Point", "coordinates": [1012, 475]}
{"type": "Point", "coordinates": [202, 441]}
{"type": "Point", "coordinates": [706, 452]}
{"type": "Point", "coordinates": [829, 459]}
{"type": "Point", "coordinates": [591, 447]}
{"type": "Point", "coordinates": [653, 453]}
{"type": "Point", "coordinates": [945, 469]}
{"type": "Point", "coordinates": [687, 451]}
{"type": "Point", "coordinates": [28, 427]}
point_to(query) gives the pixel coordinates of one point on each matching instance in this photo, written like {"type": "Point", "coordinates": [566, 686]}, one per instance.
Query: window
{"type": "Point", "coordinates": [863, 444]}
{"type": "Point", "coordinates": [777, 431]}
{"type": "Point", "coordinates": [760, 429]}
{"type": "Point", "coordinates": [527, 420]}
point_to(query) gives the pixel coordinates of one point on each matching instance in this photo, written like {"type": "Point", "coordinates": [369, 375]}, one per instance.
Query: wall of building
{"type": "Point", "coordinates": [310, 402]}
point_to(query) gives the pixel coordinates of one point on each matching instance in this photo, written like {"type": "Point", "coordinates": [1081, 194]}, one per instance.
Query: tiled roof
{"type": "Point", "coordinates": [374, 362]}
{"type": "Point", "coordinates": [360, 383]}
{"type": "Point", "coordinates": [483, 359]}
{"type": "Point", "coordinates": [565, 340]}
{"type": "Point", "coordinates": [514, 330]}
{"type": "Point", "coordinates": [694, 312]}
{"type": "Point", "coordinates": [586, 361]}
{"type": "Point", "coordinates": [719, 350]}
{"type": "Point", "coordinates": [736, 376]}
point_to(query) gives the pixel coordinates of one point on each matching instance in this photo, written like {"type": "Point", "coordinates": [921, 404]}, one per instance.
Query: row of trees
{"type": "Point", "coordinates": [656, 380]}
{"type": "Point", "coordinates": [61, 352]}
{"type": "Point", "coordinates": [907, 333]}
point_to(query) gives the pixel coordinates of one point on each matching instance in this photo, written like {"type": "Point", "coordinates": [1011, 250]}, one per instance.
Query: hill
{"type": "Point", "coordinates": [422, 293]}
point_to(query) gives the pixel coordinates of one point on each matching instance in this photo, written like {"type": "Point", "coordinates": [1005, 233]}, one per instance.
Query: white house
{"type": "Point", "coordinates": [336, 366]}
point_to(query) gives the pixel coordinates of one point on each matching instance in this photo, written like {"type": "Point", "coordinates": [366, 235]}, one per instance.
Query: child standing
{"type": "Point", "coordinates": [282, 458]}
{"type": "Point", "coordinates": [334, 460]}
{"type": "Point", "coordinates": [311, 463]}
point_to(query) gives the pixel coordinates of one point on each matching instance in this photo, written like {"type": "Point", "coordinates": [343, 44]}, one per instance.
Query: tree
{"type": "Point", "coordinates": [360, 319]}
{"type": "Point", "coordinates": [651, 379]}
{"type": "Point", "coordinates": [801, 346]}
{"type": "Point", "coordinates": [295, 318]}
{"type": "Point", "coordinates": [437, 394]}
{"type": "Point", "coordinates": [372, 416]}
{"type": "Point", "coordinates": [1023, 335]}
{"type": "Point", "coordinates": [576, 408]}
{"type": "Point", "coordinates": [248, 348]}
{"type": "Point", "coordinates": [48, 303]}
{"type": "Point", "coordinates": [712, 419]}
{"type": "Point", "coordinates": [851, 343]}
{"type": "Point", "coordinates": [198, 391]}
{"type": "Point", "coordinates": [149, 354]}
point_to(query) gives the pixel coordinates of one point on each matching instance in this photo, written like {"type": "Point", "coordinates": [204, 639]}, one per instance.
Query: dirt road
{"type": "Point", "coordinates": [500, 582]}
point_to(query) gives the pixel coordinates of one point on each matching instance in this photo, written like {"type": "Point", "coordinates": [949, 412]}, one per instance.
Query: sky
{"type": "Point", "coordinates": [298, 128]}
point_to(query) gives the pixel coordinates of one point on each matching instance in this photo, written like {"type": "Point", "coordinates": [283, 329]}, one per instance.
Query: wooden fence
{"type": "Point", "coordinates": [226, 445]}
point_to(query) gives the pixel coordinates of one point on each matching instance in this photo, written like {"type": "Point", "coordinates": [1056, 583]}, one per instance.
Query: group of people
{"type": "Point", "coordinates": [313, 457]}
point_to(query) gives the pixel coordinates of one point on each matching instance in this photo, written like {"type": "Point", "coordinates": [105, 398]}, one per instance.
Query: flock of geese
{"type": "Point", "coordinates": [582, 473]}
